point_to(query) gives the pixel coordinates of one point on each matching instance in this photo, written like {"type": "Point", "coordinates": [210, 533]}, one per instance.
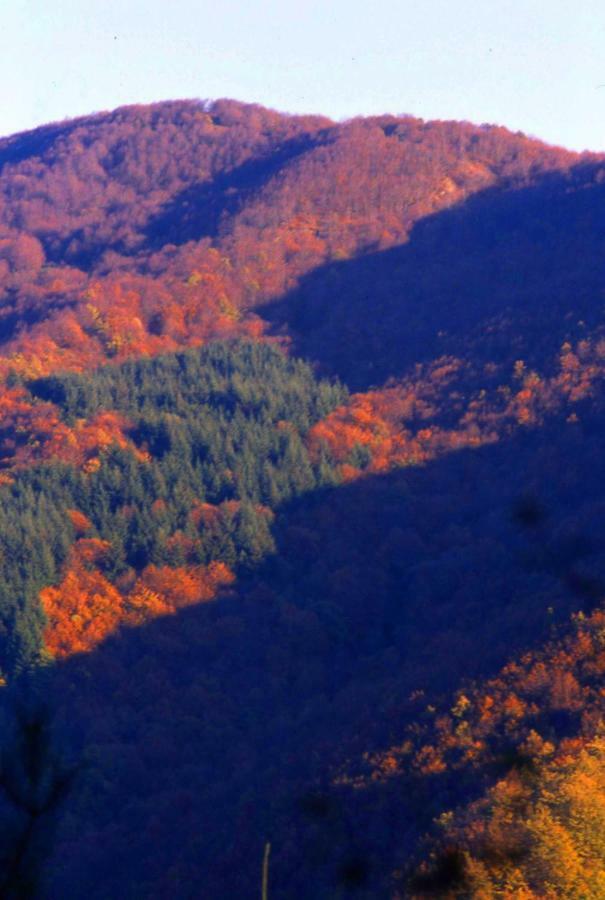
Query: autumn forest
{"type": "Point", "coordinates": [302, 489]}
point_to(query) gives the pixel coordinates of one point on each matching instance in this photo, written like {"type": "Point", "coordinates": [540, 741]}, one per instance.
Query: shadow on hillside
{"type": "Point", "coordinates": [514, 271]}
{"type": "Point", "coordinates": [207, 733]}
{"type": "Point", "coordinates": [17, 148]}
{"type": "Point", "coordinates": [197, 212]}
{"type": "Point", "coordinates": [13, 321]}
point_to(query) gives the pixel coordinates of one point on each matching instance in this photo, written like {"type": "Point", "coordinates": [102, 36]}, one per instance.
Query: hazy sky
{"type": "Point", "coordinates": [533, 65]}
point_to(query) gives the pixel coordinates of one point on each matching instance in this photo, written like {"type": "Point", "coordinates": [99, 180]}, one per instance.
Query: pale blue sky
{"type": "Point", "coordinates": [534, 65]}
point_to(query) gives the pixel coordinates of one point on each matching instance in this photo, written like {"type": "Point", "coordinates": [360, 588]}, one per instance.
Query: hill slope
{"type": "Point", "coordinates": [260, 585]}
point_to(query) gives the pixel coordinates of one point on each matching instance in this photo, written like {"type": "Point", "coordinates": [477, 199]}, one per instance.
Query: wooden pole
{"type": "Point", "coordinates": [265, 894]}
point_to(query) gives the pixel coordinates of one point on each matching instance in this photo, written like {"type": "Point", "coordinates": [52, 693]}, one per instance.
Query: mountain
{"type": "Point", "coordinates": [301, 488]}
{"type": "Point", "coordinates": [149, 228]}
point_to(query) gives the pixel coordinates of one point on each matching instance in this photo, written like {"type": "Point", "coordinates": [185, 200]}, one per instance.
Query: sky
{"type": "Point", "coordinates": [537, 66]}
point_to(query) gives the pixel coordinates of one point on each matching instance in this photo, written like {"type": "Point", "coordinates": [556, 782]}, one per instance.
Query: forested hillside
{"type": "Point", "coordinates": [301, 500]}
